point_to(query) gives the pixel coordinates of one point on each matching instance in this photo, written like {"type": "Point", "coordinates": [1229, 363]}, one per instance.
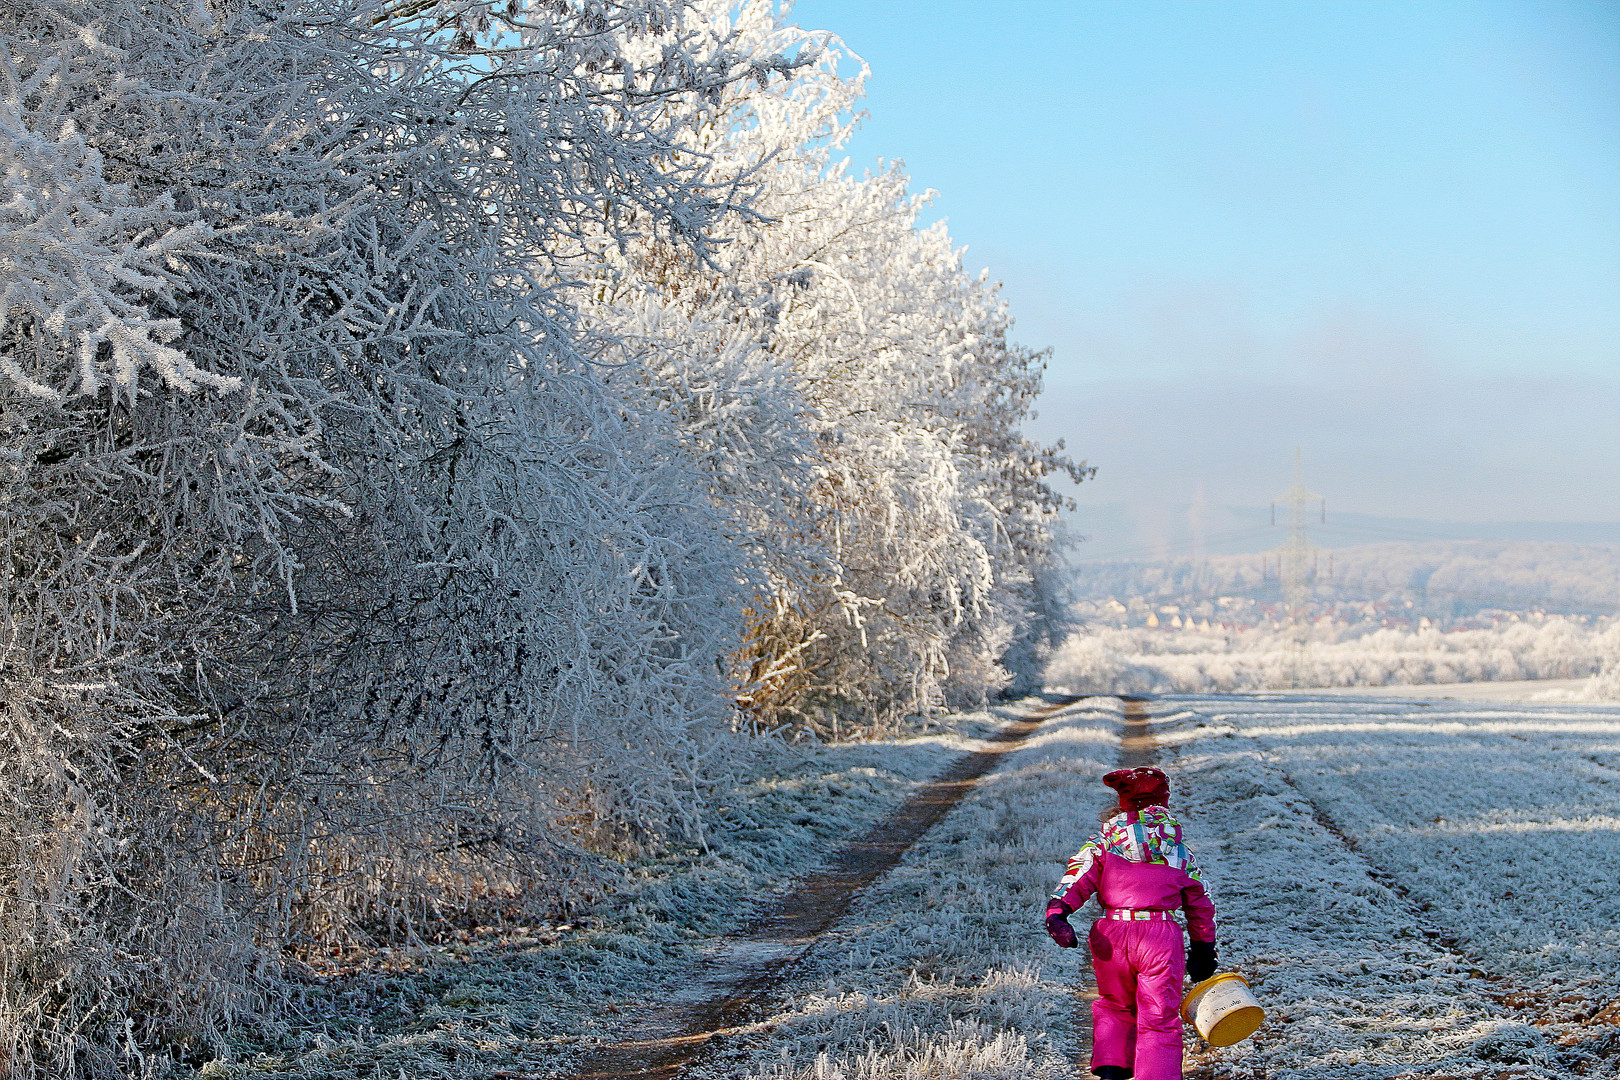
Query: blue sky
{"type": "Point", "coordinates": [1386, 233]}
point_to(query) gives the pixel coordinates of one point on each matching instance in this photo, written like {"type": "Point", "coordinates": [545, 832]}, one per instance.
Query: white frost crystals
{"type": "Point", "coordinates": [1605, 685]}
{"type": "Point", "coordinates": [76, 255]}
{"type": "Point", "coordinates": [457, 593]}
{"type": "Point", "coordinates": [1137, 660]}
{"type": "Point", "coordinates": [896, 516]}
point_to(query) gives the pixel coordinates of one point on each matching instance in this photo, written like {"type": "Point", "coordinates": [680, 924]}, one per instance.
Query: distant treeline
{"type": "Point", "coordinates": [1137, 660]}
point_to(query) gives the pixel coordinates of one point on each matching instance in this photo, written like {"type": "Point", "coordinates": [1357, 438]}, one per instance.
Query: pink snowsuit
{"type": "Point", "coordinates": [1137, 864]}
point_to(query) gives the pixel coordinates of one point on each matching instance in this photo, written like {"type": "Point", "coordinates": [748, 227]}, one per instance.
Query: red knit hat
{"type": "Point", "coordinates": [1139, 787]}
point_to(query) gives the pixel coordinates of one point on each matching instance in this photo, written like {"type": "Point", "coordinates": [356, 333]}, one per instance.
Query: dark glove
{"type": "Point", "coordinates": [1057, 924]}
{"type": "Point", "coordinates": [1200, 960]}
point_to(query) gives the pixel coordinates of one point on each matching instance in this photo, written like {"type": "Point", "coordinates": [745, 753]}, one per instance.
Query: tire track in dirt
{"type": "Point", "coordinates": [744, 972]}
{"type": "Point", "coordinates": [1137, 746]}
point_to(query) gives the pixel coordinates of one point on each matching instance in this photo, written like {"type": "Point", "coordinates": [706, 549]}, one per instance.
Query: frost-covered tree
{"type": "Point", "coordinates": [896, 546]}
{"type": "Point", "coordinates": [335, 575]}
{"type": "Point", "coordinates": [1191, 660]}
{"type": "Point", "coordinates": [430, 431]}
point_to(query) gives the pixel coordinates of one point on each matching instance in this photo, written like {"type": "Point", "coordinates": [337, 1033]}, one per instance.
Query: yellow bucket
{"type": "Point", "coordinates": [1222, 1009]}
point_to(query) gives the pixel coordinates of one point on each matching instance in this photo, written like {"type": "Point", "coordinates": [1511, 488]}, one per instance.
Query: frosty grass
{"type": "Point", "coordinates": [1415, 890]}
{"type": "Point", "coordinates": [534, 1001]}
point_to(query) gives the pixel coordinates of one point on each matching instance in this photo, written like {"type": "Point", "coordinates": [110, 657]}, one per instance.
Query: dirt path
{"type": "Point", "coordinates": [1396, 880]}
{"type": "Point", "coordinates": [1137, 746]}
{"type": "Point", "coordinates": [743, 972]}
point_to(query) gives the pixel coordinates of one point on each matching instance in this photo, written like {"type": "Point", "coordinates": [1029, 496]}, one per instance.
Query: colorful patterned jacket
{"type": "Point", "coordinates": [1137, 860]}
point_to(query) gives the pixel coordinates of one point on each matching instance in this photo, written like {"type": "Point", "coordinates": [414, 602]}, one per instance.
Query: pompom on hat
{"type": "Point", "coordinates": [1139, 787]}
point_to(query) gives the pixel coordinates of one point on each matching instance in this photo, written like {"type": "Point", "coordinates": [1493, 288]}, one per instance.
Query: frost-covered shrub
{"type": "Point", "coordinates": [1605, 685]}
{"type": "Point", "coordinates": [423, 425]}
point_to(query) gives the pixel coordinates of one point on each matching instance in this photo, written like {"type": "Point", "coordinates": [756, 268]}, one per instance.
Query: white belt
{"type": "Point", "coordinates": [1125, 914]}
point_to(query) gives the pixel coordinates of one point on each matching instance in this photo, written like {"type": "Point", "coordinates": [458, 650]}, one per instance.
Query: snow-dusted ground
{"type": "Point", "coordinates": [943, 969]}
{"type": "Point", "coordinates": [1419, 889]}
{"type": "Point", "coordinates": [532, 1000]}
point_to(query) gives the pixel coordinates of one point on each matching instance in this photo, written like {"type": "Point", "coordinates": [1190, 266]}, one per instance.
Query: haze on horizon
{"type": "Point", "coordinates": [1386, 234]}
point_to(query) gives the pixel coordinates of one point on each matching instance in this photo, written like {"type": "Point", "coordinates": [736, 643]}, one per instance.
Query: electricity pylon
{"type": "Point", "coordinates": [1296, 566]}
{"type": "Point", "coordinates": [1296, 558]}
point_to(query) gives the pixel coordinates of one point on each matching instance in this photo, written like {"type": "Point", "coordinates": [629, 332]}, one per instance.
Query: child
{"type": "Point", "coordinates": [1141, 872]}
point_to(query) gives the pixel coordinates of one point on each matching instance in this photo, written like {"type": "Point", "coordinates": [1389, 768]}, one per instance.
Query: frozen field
{"type": "Point", "coordinates": [1422, 889]}
{"type": "Point", "coordinates": [1417, 889]}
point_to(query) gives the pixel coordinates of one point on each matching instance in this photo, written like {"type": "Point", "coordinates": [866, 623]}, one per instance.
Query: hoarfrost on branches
{"type": "Point", "coordinates": [430, 432]}
{"type": "Point", "coordinates": [899, 551]}
{"type": "Point", "coordinates": [1605, 685]}
{"type": "Point", "coordinates": [76, 256]}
